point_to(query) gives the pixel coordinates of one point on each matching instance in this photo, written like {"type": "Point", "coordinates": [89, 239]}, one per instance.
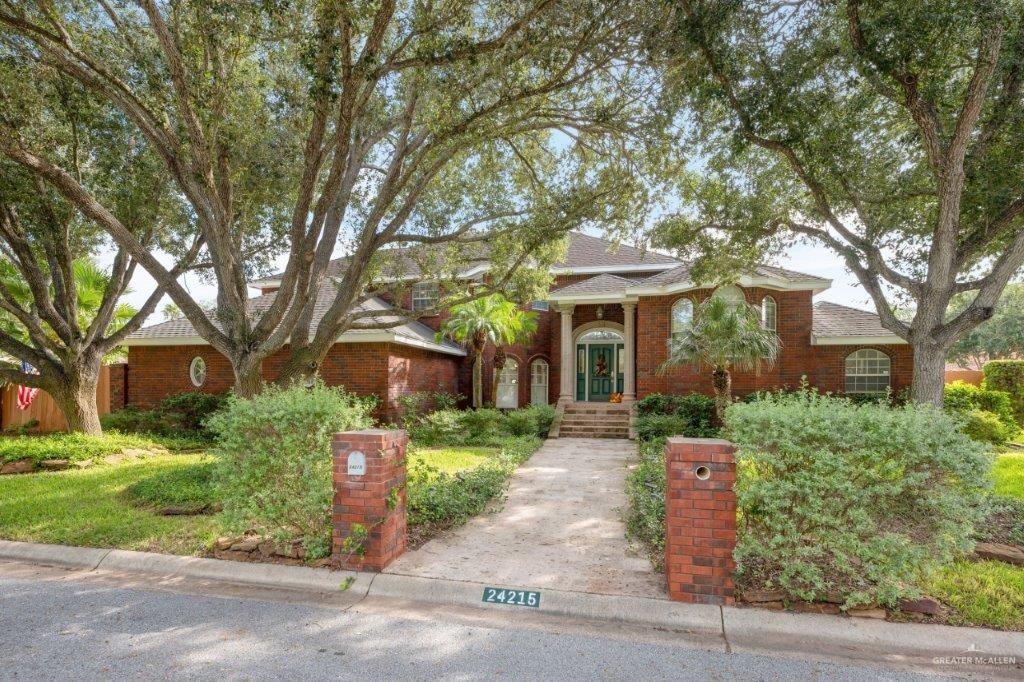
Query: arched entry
{"type": "Point", "coordinates": [600, 362]}
{"type": "Point", "coordinates": [539, 371]}
{"type": "Point", "coordinates": [508, 385]}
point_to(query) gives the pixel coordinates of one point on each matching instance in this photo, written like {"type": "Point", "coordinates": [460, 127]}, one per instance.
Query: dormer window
{"type": "Point", "coordinates": [424, 296]}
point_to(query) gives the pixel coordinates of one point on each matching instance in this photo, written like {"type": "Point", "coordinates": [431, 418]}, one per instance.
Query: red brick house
{"type": "Point", "coordinates": [603, 329]}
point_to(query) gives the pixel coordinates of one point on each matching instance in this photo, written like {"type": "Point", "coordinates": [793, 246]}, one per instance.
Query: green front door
{"type": "Point", "coordinates": [601, 371]}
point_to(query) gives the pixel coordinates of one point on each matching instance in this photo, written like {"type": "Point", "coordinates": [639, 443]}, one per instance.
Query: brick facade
{"type": "Point", "coordinates": [700, 520]}
{"type": "Point", "coordinates": [118, 385]}
{"type": "Point", "coordinates": [384, 370]}
{"type": "Point", "coordinates": [374, 501]}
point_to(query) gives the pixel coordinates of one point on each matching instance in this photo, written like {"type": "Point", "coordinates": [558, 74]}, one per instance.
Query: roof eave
{"type": "Point", "coordinates": [816, 286]}
{"type": "Point", "coordinates": [379, 337]}
{"type": "Point", "coordinates": [597, 269]}
{"type": "Point", "coordinates": [881, 340]}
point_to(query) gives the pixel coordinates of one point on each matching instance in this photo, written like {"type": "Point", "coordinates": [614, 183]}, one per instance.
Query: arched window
{"type": "Point", "coordinates": [731, 293]}
{"type": "Point", "coordinates": [769, 313]}
{"type": "Point", "coordinates": [508, 385]}
{"type": "Point", "coordinates": [539, 382]}
{"type": "Point", "coordinates": [197, 371]}
{"type": "Point", "coordinates": [867, 371]}
{"type": "Point", "coordinates": [682, 315]}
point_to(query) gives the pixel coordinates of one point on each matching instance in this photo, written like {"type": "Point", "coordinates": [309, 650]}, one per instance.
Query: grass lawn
{"type": "Point", "coordinates": [1009, 474]}
{"type": "Point", "coordinates": [450, 459]}
{"type": "Point", "coordinates": [987, 593]}
{"type": "Point", "coordinates": [91, 507]}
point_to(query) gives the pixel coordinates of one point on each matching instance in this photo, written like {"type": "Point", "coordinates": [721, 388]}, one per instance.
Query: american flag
{"type": "Point", "coordinates": [25, 394]}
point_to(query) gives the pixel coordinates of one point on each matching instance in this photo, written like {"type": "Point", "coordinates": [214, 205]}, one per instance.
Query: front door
{"type": "Point", "coordinates": [601, 371]}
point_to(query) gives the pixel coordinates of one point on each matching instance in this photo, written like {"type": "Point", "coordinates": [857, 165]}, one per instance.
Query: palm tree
{"type": "Point", "coordinates": [724, 335]}
{"type": "Point", "coordinates": [485, 321]}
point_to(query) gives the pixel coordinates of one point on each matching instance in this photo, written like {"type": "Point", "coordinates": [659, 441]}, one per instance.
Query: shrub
{"type": "Point", "coordinates": [860, 501]}
{"type": "Point", "coordinates": [416, 406]}
{"type": "Point", "coordinates": [444, 499]}
{"type": "Point", "coordinates": [1007, 376]}
{"type": "Point", "coordinates": [273, 473]}
{"type": "Point", "coordinates": [438, 428]}
{"type": "Point", "coordinates": [691, 415]}
{"type": "Point", "coordinates": [986, 427]}
{"type": "Point", "coordinates": [645, 490]}
{"type": "Point", "coordinates": [1002, 520]}
{"type": "Point", "coordinates": [972, 401]}
{"type": "Point", "coordinates": [482, 424]}
{"type": "Point", "coordinates": [544, 415]}
{"type": "Point", "coordinates": [521, 423]}
{"type": "Point", "coordinates": [184, 414]}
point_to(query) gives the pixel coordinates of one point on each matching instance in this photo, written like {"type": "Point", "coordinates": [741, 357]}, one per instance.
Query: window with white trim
{"type": "Point", "coordinates": [867, 371]}
{"type": "Point", "coordinates": [539, 371]}
{"type": "Point", "coordinates": [197, 371]}
{"type": "Point", "coordinates": [508, 385]}
{"type": "Point", "coordinates": [540, 305]}
{"type": "Point", "coordinates": [682, 315]}
{"type": "Point", "coordinates": [424, 296]}
{"type": "Point", "coordinates": [769, 313]}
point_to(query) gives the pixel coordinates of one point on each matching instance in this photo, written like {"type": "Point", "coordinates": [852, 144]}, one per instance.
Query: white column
{"type": "Point", "coordinates": [629, 348]}
{"type": "Point", "coordinates": [565, 394]}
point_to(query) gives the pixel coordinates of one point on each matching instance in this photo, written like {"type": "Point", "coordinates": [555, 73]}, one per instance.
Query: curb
{"type": "Point", "coordinates": [737, 628]}
{"type": "Point", "coordinates": [701, 619]}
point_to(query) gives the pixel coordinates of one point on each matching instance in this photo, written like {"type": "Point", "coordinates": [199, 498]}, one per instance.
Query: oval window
{"type": "Point", "coordinates": [197, 371]}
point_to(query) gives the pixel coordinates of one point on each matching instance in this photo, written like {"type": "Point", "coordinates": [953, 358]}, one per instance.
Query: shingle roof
{"type": "Point", "coordinates": [584, 251]}
{"type": "Point", "coordinates": [414, 332]}
{"type": "Point", "coordinates": [602, 284]}
{"type": "Point", "coordinates": [833, 319]}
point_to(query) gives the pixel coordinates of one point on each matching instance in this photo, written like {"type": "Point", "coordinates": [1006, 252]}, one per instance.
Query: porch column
{"type": "Point", "coordinates": [629, 348]}
{"type": "Point", "coordinates": [565, 393]}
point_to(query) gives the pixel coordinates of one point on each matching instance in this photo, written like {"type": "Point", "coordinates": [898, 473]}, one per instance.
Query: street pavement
{"type": "Point", "coordinates": [58, 624]}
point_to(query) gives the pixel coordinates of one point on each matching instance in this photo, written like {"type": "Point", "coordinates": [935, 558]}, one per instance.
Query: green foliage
{"type": "Point", "coordinates": [186, 489]}
{"type": "Point", "coordinates": [439, 498]}
{"type": "Point", "coordinates": [988, 414]}
{"type": "Point", "coordinates": [691, 415]}
{"type": "Point", "coordinates": [986, 427]}
{"type": "Point", "coordinates": [481, 427]}
{"type": "Point", "coordinates": [1008, 376]}
{"type": "Point", "coordinates": [184, 414]}
{"type": "Point", "coordinates": [1000, 336]}
{"type": "Point", "coordinates": [645, 491]}
{"type": "Point", "coordinates": [274, 461]}
{"type": "Point", "coordinates": [856, 500]}
{"type": "Point", "coordinates": [724, 336]}
{"type": "Point", "coordinates": [417, 405]}
{"type": "Point", "coordinates": [76, 447]}
{"type": "Point", "coordinates": [1002, 519]}
{"type": "Point", "coordinates": [489, 321]}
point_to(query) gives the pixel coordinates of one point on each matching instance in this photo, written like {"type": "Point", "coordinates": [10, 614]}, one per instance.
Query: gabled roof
{"type": "Point", "coordinates": [585, 254]}
{"type": "Point", "coordinates": [413, 333]}
{"type": "Point", "coordinates": [678, 279]}
{"type": "Point", "coordinates": [836, 324]}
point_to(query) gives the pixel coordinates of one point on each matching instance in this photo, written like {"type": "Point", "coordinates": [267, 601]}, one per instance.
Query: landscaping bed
{"type": "Point", "coordinates": [867, 565]}
{"type": "Point", "coordinates": [23, 454]}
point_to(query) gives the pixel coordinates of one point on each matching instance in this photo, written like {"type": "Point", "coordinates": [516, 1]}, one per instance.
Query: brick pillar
{"type": "Point", "coordinates": [700, 519]}
{"type": "Point", "coordinates": [371, 496]}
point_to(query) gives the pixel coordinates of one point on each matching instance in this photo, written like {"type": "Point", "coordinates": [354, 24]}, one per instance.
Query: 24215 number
{"type": "Point", "coordinates": [497, 595]}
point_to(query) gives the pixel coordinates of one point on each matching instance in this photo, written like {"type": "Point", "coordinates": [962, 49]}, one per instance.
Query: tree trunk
{"type": "Point", "coordinates": [499, 364]}
{"type": "Point", "coordinates": [299, 367]}
{"type": "Point", "coordinates": [478, 380]}
{"type": "Point", "coordinates": [248, 377]}
{"type": "Point", "coordinates": [929, 374]}
{"type": "Point", "coordinates": [76, 398]}
{"type": "Point", "coordinates": [721, 380]}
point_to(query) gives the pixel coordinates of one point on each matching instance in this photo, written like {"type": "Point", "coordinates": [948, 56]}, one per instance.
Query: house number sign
{"type": "Point", "coordinates": [356, 463]}
{"type": "Point", "coordinates": [497, 595]}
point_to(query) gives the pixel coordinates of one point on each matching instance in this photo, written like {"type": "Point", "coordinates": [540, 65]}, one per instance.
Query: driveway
{"type": "Point", "coordinates": [560, 527]}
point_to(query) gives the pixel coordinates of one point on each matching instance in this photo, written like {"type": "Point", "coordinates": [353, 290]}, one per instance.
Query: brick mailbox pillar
{"type": "Point", "coordinates": [369, 495]}
{"type": "Point", "coordinates": [700, 519]}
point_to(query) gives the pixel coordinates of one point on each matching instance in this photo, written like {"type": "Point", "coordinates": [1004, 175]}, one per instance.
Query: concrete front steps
{"type": "Point", "coordinates": [594, 420]}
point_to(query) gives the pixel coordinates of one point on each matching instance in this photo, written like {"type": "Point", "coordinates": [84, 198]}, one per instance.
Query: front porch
{"type": "Point", "coordinates": [597, 352]}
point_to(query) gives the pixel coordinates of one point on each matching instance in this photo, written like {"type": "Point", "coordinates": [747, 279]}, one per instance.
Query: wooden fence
{"type": "Point", "coordinates": [44, 409]}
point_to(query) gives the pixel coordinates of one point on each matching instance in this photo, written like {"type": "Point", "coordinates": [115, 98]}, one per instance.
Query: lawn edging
{"type": "Point", "coordinates": [737, 628]}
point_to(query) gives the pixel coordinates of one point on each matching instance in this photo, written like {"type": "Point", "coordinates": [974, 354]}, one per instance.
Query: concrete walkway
{"type": "Point", "coordinates": [560, 528]}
